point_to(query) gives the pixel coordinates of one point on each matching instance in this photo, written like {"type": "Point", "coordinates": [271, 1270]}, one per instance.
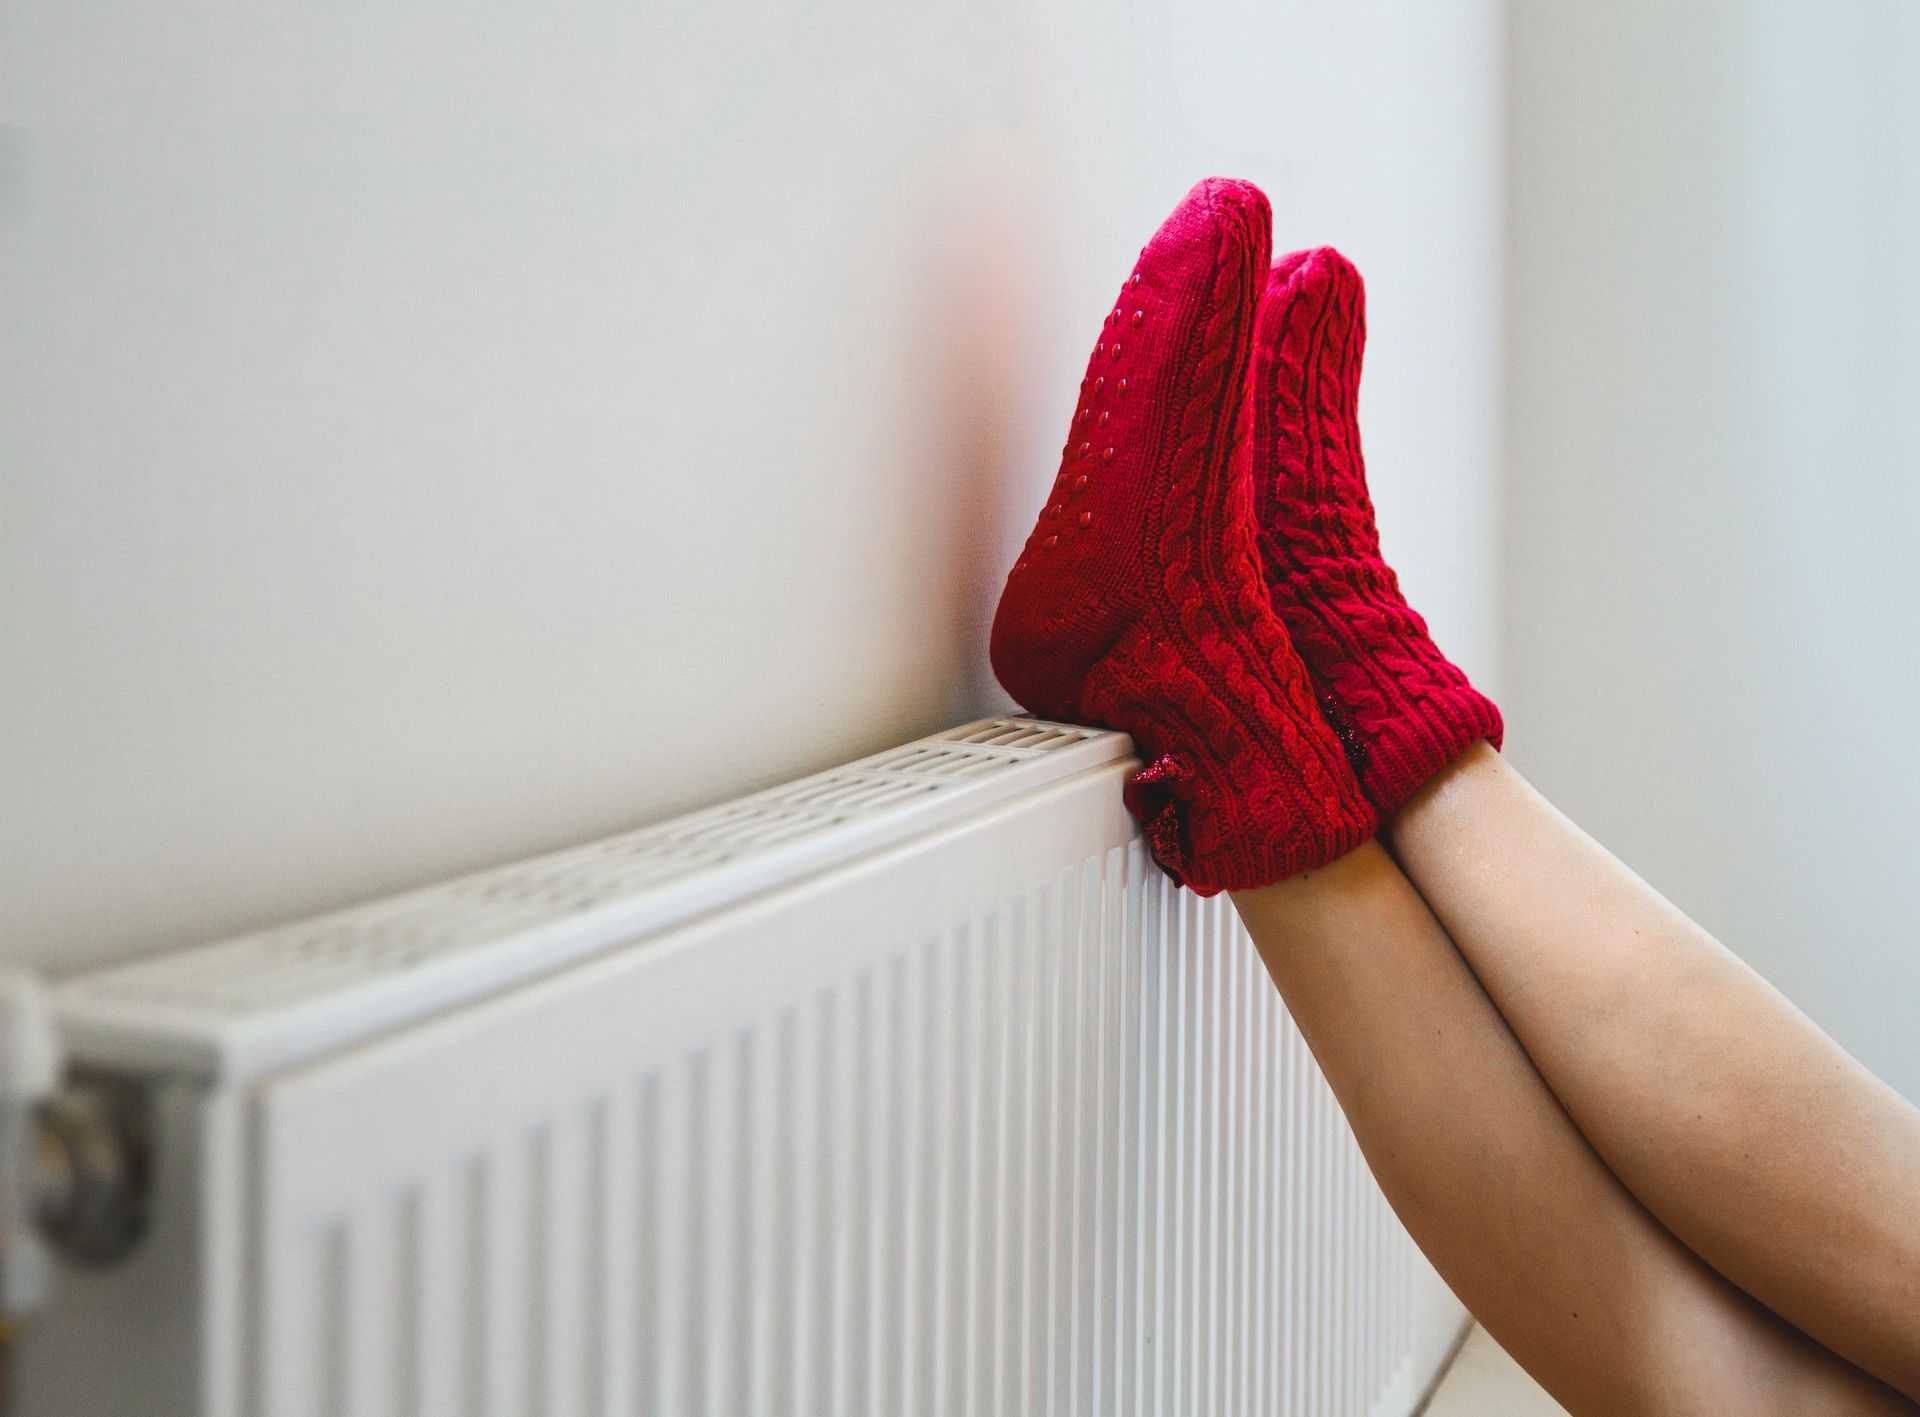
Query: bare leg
{"type": "Point", "coordinates": [1605, 1308]}
{"type": "Point", "coordinates": [1752, 1135]}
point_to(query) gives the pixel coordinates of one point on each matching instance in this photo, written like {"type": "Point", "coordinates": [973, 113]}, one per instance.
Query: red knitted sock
{"type": "Point", "coordinates": [1401, 707]}
{"type": "Point", "coordinates": [1138, 602]}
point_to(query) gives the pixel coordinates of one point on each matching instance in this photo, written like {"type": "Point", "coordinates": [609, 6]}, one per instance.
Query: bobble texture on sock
{"type": "Point", "coordinates": [1401, 708]}
{"type": "Point", "coordinates": [1138, 601]}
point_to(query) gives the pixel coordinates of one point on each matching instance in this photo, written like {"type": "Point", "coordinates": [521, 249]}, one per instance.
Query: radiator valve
{"type": "Point", "coordinates": [92, 1156]}
{"type": "Point", "coordinates": [75, 1154]}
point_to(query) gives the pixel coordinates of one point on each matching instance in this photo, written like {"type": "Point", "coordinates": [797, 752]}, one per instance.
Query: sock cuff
{"type": "Point", "coordinates": [1417, 742]}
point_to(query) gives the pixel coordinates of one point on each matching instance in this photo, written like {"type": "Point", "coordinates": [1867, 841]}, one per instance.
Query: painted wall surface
{"type": "Point", "coordinates": [1712, 528]}
{"type": "Point", "coordinates": [435, 433]}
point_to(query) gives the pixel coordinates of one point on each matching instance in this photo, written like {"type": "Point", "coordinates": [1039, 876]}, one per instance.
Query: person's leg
{"type": "Point", "coordinates": [1751, 1135]}
{"type": "Point", "coordinates": [1593, 1297]}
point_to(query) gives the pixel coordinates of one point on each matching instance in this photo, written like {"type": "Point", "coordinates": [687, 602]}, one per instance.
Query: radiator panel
{"type": "Point", "coordinates": [992, 1122]}
{"type": "Point", "coordinates": [909, 1087]}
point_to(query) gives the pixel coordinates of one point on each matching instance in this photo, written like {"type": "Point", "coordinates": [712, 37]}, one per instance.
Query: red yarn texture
{"type": "Point", "coordinates": [1138, 601]}
{"type": "Point", "coordinates": [1402, 708]}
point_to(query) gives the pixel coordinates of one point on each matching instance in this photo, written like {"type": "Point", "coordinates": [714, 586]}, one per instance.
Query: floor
{"type": "Point", "coordinates": [1485, 1382]}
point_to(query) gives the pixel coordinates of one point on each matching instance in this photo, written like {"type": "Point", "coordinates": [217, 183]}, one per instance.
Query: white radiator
{"type": "Point", "coordinates": [909, 1088]}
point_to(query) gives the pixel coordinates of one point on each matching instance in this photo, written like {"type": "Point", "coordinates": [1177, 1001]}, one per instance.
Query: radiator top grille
{"type": "Point", "coordinates": [277, 996]}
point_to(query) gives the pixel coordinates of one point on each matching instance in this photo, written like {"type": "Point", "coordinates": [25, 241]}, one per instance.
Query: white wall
{"type": "Point", "coordinates": [435, 432]}
{"type": "Point", "coordinates": [1713, 509]}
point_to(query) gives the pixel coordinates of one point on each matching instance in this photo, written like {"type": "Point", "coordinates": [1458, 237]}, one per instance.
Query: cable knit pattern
{"type": "Point", "coordinates": [1138, 601]}
{"type": "Point", "coordinates": [1401, 708]}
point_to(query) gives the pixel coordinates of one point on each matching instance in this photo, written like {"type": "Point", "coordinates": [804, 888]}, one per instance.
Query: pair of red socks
{"type": "Point", "coordinates": [1207, 574]}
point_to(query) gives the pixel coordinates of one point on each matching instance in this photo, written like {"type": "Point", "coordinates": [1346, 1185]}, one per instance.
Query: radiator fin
{"type": "Point", "coordinates": [1063, 1152]}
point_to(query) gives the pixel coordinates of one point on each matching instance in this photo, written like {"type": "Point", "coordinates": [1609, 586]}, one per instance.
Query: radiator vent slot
{"type": "Point", "coordinates": [1026, 735]}
{"type": "Point", "coordinates": [943, 761]}
{"type": "Point", "coordinates": [863, 792]}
